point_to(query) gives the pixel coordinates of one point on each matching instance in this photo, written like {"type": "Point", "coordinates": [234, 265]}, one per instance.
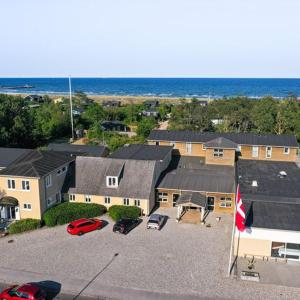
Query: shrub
{"type": "Point", "coordinates": [68, 212]}
{"type": "Point", "coordinates": [117, 212]}
{"type": "Point", "coordinates": [24, 225]}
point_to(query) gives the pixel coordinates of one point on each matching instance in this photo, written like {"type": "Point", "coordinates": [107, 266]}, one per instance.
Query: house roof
{"type": "Point", "coordinates": [35, 163]}
{"type": "Point", "coordinates": [191, 174]}
{"type": "Point", "coordinates": [238, 138]}
{"type": "Point", "coordinates": [136, 180]}
{"type": "Point", "coordinates": [271, 186]}
{"type": "Point", "coordinates": [221, 142]}
{"type": "Point", "coordinates": [8, 155]}
{"type": "Point", "coordinates": [142, 152]}
{"type": "Point", "coordinates": [87, 150]}
{"type": "Point", "coordinates": [272, 215]}
{"type": "Point", "coordinates": [197, 199]}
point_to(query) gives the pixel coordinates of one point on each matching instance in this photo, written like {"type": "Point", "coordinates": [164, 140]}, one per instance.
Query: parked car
{"type": "Point", "coordinates": [156, 221]}
{"type": "Point", "coordinates": [81, 226]}
{"type": "Point", "coordinates": [3, 225]}
{"type": "Point", "coordinates": [25, 291]}
{"type": "Point", "coordinates": [125, 225]}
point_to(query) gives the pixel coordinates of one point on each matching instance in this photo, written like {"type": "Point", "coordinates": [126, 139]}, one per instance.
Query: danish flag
{"type": "Point", "coordinates": [240, 215]}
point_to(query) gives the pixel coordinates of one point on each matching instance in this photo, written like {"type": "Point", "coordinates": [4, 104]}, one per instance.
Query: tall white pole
{"type": "Point", "coordinates": [232, 238]}
{"type": "Point", "coordinates": [71, 107]}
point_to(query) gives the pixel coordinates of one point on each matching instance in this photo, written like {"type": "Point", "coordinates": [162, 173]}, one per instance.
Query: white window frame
{"type": "Point", "coordinates": [112, 181]}
{"type": "Point", "coordinates": [72, 197]}
{"type": "Point", "coordinates": [48, 180]}
{"type": "Point", "coordinates": [126, 201]}
{"type": "Point", "coordinates": [286, 152]}
{"type": "Point", "coordinates": [269, 150]}
{"type": "Point", "coordinates": [26, 184]}
{"type": "Point", "coordinates": [188, 148]}
{"type": "Point", "coordinates": [27, 206]}
{"type": "Point", "coordinates": [226, 202]}
{"type": "Point", "coordinates": [203, 147]}
{"type": "Point", "coordinates": [218, 152]}
{"type": "Point", "coordinates": [137, 202]}
{"type": "Point", "coordinates": [87, 198]}
{"type": "Point", "coordinates": [162, 197]}
{"type": "Point", "coordinates": [9, 184]}
{"type": "Point", "coordinates": [255, 151]}
{"type": "Point", "coordinates": [106, 200]}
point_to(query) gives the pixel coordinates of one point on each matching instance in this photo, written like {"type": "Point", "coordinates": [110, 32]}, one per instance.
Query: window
{"type": "Point", "coordinates": [48, 180]}
{"type": "Point", "coordinates": [157, 143]}
{"type": "Point", "coordinates": [58, 197]}
{"type": "Point", "coordinates": [25, 185]}
{"type": "Point", "coordinates": [163, 197]}
{"type": "Point", "coordinates": [172, 144]}
{"type": "Point", "coordinates": [286, 150]}
{"type": "Point", "coordinates": [58, 172]}
{"type": "Point", "coordinates": [61, 171]}
{"type": "Point", "coordinates": [50, 201]}
{"type": "Point", "coordinates": [218, 153]}
{"type": "Point", "coordinates": [137, 202]}
{"type": "Point", "coordinates": [72, 197]}
{"type": "Point", "coordinates": [64, 169]}
{"type": "Point", "coordinates": [11, 184]}
{"type": "Point", "coordinates": [225, 202]}
{"type": "Point", "coordinates": [112, 181]}
{"type": "Point", "coordinates": [126, 201]}
{"type": "Point", "coordinates": [268, 152]}
{"type": "Point", "coordinates": [255, 151]}
{"type": "Point", "coordinates": [87, 198]}
{"type": "Point", "coordinates": [107, 200]}
{"type": "Point", "coordinates": [210, 203]}
{"type": "Point", "coordinates": [203, 147]}
{"type": "Point", "coordinates": [27, 206]}
{"type": "Point", "coordinates": [188, 148]}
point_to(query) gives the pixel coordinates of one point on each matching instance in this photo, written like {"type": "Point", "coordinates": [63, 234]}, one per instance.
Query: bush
{"type": "Point", "coordinates": [24, 225]}
{"type": "Point", "coordinates": [117, 212]}
{"type": "Point", "coordinates": [68, 212]}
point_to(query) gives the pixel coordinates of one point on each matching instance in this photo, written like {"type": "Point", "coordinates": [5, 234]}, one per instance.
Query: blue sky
{"type": "Point", "coordinates": [150, 38]}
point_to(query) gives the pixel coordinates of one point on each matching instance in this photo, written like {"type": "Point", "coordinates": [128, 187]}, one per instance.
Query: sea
{"type": "Point", "coordinates": [156, 87]}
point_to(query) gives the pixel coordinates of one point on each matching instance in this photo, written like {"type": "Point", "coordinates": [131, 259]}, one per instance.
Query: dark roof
{"type": "Point", "coordinates": [86, 150]}
{"type": "Point", "coordinates": [137, 179]}
{"type": "Point", "coordinates": [273, 215]}
{"type": "Point", "coordinates": [142, 152]}
{"type": "Point", "coordinates": [115, 168]}
{"type": "Point", "coordinates": [271, 186]}
{"type": "Point", "coordinates": [191, 174]}
{"type": "Point", "coordinates": [8, 155]}
{"type": "Point", "coordinates": [221, 142]}
{"type": "Point", "coordinates": [238, 138]}
{"type": "Point", "coordinates": [193, 198]}
{"type": "Point", "coordinates": [37, 163]}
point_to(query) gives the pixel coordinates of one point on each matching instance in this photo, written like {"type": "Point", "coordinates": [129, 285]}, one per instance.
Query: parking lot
{"type": "Point", "coordinates": [181, 259]}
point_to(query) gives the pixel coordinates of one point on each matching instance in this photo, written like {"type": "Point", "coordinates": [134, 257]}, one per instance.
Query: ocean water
{"type": "Point", "coordinates": [163, 87]}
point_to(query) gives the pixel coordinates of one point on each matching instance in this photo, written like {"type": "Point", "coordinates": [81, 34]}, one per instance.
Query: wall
{"type": "Point", "coordinates": [277, 154]}
{"type": "Point", "coordinates": [218, 196]}
{"type": "Point", "coordinates": [252, 247]}
{"type": "Point", "coordinates": [227, 159]}
{"type": "Point", "coordinates": [113, 201]}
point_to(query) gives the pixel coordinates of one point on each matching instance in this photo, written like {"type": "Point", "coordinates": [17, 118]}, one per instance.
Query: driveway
{"type": "Point", "coordinates": [178, 262]}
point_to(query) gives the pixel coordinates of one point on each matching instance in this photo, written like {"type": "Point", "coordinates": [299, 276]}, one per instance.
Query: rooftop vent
{"type": "Point", "coordinates": [282, 174]}
{"type": "Point", "coordinates": [254, 183]}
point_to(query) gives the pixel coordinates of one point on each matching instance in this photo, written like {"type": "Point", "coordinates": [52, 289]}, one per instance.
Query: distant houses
{"type": "Point", "coordinates": [111, 103]}
{"type": "Point", "coordinates": [34, 98]}
{"type": "Point", "coordinates": [151, 104]}
{"type": "Point", "coordinates": [150, 113]}
{"type": "Point", "coordinates": [114, 126]}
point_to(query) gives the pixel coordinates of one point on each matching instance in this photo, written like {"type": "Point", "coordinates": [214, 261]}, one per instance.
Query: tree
{"type": "Point", "coordinates": [93, 114]}
{"type": "Point", "coordinates": [145, 126]}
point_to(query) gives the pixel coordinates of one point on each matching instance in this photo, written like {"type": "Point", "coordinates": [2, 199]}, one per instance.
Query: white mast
{"type": "Point", "coordinates": [71, 107]}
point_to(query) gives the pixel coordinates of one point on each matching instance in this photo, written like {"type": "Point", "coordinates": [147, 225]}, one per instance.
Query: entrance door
{"type": "Point", "coordinates": [13, 213]}
{"type": "Point", "coordinates": [175, 198]}
{"type": "Point", "coordinates": [210, 203]}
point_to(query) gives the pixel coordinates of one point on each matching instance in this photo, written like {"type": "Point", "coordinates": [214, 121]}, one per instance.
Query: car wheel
{"type": "Point", "coordinates": [99, 227]}
{"type": "Point", "coordinates": [80, 233]}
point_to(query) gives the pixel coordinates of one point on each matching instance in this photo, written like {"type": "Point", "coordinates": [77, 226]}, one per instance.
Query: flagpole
{"type": "Point", "coordinates": [232, 238]}
{"type": "Point", "coordinates": [71, 107]}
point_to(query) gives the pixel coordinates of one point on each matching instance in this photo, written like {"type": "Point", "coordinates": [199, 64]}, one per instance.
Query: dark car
{"type": "Point", "coordinates": [125, 225]}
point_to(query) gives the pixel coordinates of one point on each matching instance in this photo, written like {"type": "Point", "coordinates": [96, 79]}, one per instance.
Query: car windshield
{"type": "Point", "coordinates": [71, 226]}
{"type": "Point", "coordinates": [153, 221]}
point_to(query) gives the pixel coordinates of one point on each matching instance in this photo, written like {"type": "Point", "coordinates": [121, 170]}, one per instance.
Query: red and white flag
{"type": "Point", "coordinates": [240, 215]}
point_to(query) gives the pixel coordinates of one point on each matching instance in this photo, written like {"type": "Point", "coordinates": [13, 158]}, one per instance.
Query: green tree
{"type": "Point", "coordinates": [145, 126]}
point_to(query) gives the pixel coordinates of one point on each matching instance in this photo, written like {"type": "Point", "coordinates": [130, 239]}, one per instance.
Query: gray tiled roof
{"type": "Point", "coordinates": [142, 152]}
{"type": "Point", "coordinates": [271, 187]}
{"type": "Point", "coordinates": [35, 163]}
{"type": "Point", "coordinates": [8, 155]}
{"type": "Point", "coordinates": [221, 142]}
{"type": "Point", "coordinates": [238, 138]}
{"type": "Point", "coordinates": [137, 179]}
{"type": "Point", "coordinates": [193, 198]}
{"type": "Point", "coordinates": [87, 150]}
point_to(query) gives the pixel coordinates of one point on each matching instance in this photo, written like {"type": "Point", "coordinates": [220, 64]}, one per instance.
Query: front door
{"type": "Point", "coordinates": [175, 198]}
{"type": "Point", "coordinates": [13, 213]}
{"type": "Point", "coordinates": [210, 203]}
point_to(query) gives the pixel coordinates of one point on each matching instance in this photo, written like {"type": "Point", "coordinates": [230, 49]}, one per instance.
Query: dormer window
{"type": "Point", "coordinates": [112, 181]}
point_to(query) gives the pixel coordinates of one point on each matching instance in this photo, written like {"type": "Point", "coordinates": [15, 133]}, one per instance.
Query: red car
{"type": "Point", "coordinates": [81, 226]}
{"type": "Point", "coordinates": [25, 291]}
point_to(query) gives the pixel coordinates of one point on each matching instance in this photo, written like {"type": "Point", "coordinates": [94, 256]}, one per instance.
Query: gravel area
{"type": "Point", "coordinates": [179, 259]}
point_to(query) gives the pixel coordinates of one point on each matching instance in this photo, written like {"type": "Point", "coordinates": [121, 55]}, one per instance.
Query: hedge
{"type": "Point", "coordinates": [117, 212]}
{"type": "Point", "coordinates": [68, 212]}
{"type": "Point", "coordinates": [24, 225]}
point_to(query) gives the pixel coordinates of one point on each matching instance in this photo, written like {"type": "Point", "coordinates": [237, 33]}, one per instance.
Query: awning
{"type": "Point", "coordinates": [192, 199]}
{"type": "Point", "coordinates": [8, 201]}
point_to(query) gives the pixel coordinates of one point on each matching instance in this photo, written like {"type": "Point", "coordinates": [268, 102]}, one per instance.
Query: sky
{"type": "Point", "coordinates": [150, 38]}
